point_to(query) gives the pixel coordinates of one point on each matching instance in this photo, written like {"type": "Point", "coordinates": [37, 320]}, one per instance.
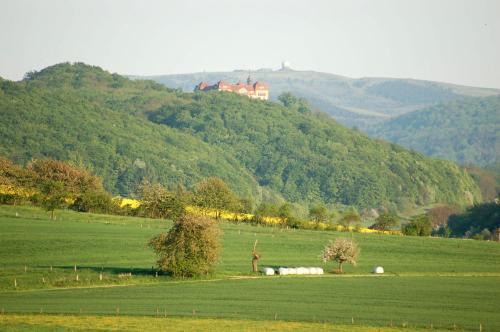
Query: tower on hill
{"type": "Point", "coordinates": [285, 65]}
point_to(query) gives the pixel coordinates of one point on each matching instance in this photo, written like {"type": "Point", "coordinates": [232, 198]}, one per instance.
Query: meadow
{"type": "Point", "coordinates": [443, 283]}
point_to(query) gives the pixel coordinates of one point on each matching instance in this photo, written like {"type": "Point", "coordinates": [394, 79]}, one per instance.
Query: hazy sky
{"type": "Point", "coordinates": [455, 41]}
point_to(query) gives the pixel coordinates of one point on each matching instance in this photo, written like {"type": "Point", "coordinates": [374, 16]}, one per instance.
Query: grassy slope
{"type": "Point", "coordinates": [445, 281]}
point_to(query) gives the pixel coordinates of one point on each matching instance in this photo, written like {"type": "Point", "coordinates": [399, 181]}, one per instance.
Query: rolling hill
{"type": "Point", "coordinates": [352, 102]}
{"type": "Point", "coordinates": [467, 132]}
{"type": "Point", "coordinates": [127, 131]}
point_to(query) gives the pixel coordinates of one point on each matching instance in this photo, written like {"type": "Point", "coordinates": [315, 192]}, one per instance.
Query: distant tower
{"type": "Point", "coordinates": [285, 65]}
{"type": "Point", "coordinates": [249, 79]}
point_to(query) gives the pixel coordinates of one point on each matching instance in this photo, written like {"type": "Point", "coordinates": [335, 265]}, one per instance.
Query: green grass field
{"type": "Point", "coordinates": [443, 282]}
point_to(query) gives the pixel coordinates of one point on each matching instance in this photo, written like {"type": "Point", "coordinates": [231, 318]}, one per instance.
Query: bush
{"type": "Point", "coordinates": [190, 248]}
{"type": "Point", "coordinates": [419, 226]}
{"type": "Point", "coordinates": [159, 203]}
{"type": "Point", "coordinates": [385, 222]}
{"type": "Point", "coordinates": [94, 201]}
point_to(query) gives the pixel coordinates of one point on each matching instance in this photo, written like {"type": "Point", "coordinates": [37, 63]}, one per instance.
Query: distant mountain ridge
{"type": "Point", "coordinates": [465, 131]}
{"type": "Point", "coordinates": [353, 102]}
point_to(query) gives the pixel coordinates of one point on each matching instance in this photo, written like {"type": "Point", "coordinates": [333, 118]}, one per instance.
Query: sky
{"type": "Point", "coordinates": [456, 41]}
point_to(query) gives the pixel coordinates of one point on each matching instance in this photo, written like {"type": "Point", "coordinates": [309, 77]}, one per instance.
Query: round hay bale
{"type": "Point", "coordinates": [378, 270]}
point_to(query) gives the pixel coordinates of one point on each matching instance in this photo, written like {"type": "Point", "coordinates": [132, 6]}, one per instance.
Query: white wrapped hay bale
{"type": "Point", "coordinates": [299, 270]}
{"type": "Point", "coordinates": [378, 270]}
{"type": "Point", "coordinates": [268, 271]}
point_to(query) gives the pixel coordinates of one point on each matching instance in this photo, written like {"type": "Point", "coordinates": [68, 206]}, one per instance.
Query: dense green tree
{"type": "Point", "coordinates": [214, 193]}
{"type": "Point", "coordinates": [191, 247]}
{"type": "Point", "coordinates": [386, 221]}
{"type": "Point", "coordinates": [53, 195]}
{"type": "Point", "coordinates": [475, 219]}
{"type": "Point", "coordinates": [157, 202]}
{"type": "Point", "coordinates": [349, 218]}
{"type": "Point", "coordinates": [95, 201]}
{"type": "Point", "coordinates": [418, 226]}
{"type": "Point", "coordinates": [319, 213]}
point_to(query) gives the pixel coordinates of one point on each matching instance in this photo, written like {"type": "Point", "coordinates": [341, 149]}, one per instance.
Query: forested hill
{"type": "Point", "coordinates": [353, 102]}
{"type": "Point", "coordinates": [126, 131]}
{"type": "Point", "coordinates": [467, 132]}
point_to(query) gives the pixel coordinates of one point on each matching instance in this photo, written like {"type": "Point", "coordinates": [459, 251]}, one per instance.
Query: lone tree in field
{"type": "Point", "coordinates": [53, 196]}
{"type": "Point", "coordinates": [190, 248]}
{"type": "Point", "coordinates": [213, 193]}
{"type": "Point", "coordinates": [342, 250]}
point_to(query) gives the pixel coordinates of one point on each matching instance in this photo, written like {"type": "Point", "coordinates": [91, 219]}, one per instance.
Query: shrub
{"type": "Point", "coordinates": [385, 222]}
{"type": "Point", "coordinates": [418, 226]}
{"type": "Point", "coordinates": [157, 202]}
{"type": "Point", "coordinates": [190, 248]}
{"type": "Point", "coordinates": [95, 201]}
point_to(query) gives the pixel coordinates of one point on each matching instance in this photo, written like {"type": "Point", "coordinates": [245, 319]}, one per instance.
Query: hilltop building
{"type": "Point", "coordinates": [257, 90]}
{"type": "Point", "coordinates": [285, 65]}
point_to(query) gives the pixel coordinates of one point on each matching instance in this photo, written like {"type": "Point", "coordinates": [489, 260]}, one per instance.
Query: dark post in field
{"type": "Point", "coordinates": [255, 257]}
